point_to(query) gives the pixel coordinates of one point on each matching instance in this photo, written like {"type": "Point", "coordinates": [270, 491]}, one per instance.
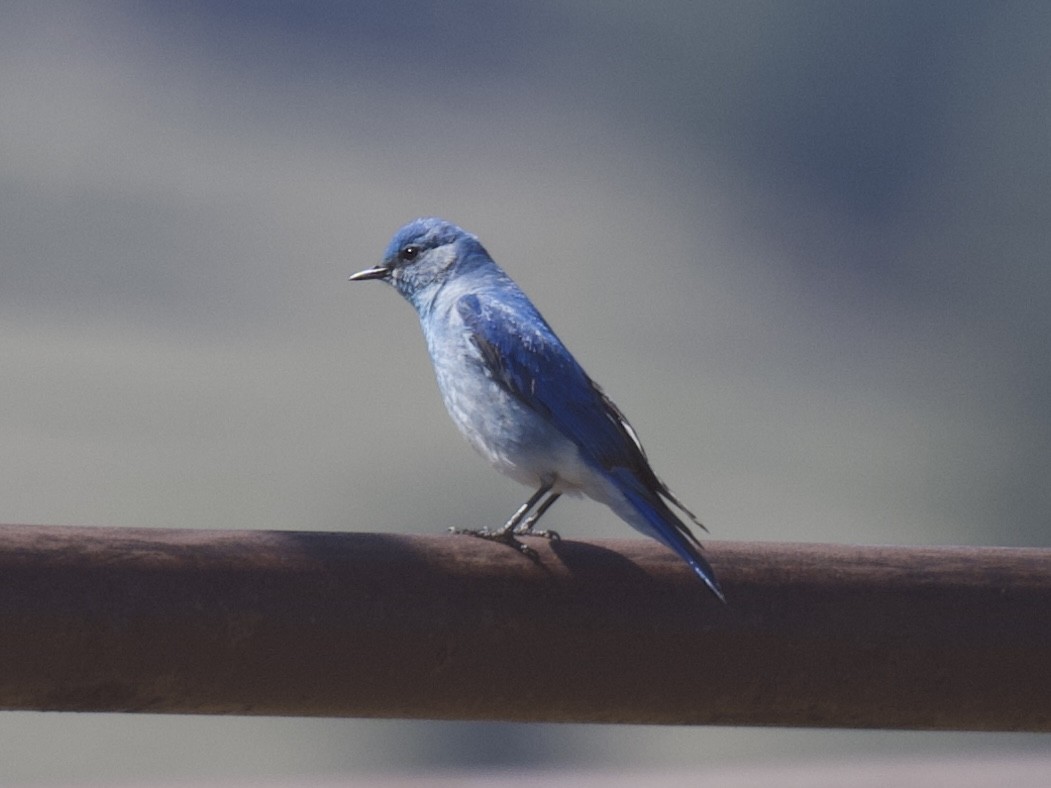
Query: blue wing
{"type": "Point", "coordinates": [524, 355]}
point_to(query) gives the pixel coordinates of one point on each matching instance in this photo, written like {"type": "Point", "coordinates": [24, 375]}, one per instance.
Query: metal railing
{"type": "Point", "coordinates": [444, 627]}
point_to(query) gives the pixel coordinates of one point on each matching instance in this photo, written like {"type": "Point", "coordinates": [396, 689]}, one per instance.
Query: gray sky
{"type": "Point", "coordinates": [803, 246]}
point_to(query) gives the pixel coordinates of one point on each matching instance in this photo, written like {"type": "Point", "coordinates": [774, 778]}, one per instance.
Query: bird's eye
{"type": "Point", "coordinates": [410, 253]}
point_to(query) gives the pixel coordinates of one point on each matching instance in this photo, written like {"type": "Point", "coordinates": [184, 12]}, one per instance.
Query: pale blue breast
{"type": "Point", "coordinates": [513, 438]}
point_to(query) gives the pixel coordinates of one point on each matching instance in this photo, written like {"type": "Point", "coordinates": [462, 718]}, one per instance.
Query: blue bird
{"type": "Point", "coordinates": [518, 395]}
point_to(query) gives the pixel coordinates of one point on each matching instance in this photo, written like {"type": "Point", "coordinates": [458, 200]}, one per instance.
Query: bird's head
{"type": "Point", "coordinates": [423, 255]}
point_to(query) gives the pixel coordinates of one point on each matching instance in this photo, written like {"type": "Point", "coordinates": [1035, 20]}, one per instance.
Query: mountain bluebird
{"type": "Point", "coordinates": [519, 397]}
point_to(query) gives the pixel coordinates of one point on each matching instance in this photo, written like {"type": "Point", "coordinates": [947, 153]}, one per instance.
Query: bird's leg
{"type": "Point", "coordinates": [512, 525]}
{"type": "Point", "coordinates": [506, 534]}
{"type": "Point", "coordinates": [526, 528]}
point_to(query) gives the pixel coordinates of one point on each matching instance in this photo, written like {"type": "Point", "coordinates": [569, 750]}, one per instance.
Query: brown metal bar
{"type": "Point", "coordinates": [371, 625]}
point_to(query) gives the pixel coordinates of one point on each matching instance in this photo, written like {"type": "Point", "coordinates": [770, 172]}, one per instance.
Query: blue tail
{"type": "Point", "coordinates": [667, 528]}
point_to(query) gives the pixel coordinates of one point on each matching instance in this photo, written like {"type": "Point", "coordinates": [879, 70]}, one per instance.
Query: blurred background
{"type": "Point", "coordinates": [803, 245]}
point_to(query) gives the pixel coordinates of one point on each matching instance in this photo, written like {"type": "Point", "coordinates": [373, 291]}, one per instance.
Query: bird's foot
{"type": "Point", "coordinates": [503, 535]}
{"type": "Point", "coordinates": [526, 529]}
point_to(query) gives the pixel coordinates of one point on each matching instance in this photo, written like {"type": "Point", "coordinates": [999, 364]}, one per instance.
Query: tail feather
{"type": "Point", "coordinates": [669, 529]}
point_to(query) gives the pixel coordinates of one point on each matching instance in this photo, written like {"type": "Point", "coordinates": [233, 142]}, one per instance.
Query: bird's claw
{"type": "Point", "coordinates": [526, 529]}
{"type": "Point", "coordinates": [504, 536]}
